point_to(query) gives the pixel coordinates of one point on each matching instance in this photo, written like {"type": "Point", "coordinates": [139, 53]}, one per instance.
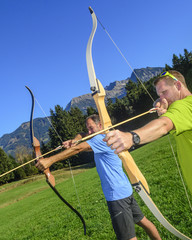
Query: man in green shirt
{"type": "Point", "coordinates": [175, 111]}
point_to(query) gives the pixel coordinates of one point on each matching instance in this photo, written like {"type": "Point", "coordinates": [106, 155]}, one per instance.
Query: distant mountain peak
{"type": "Point", "coordinates": [145, 74]}
{"type": "Point", "coordinates": [115, 89]}
{"type": "Point", "coordinates": [21, 136]}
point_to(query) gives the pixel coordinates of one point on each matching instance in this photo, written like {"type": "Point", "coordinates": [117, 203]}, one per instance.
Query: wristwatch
{"type": "Point", "coordinates": [135, 138]}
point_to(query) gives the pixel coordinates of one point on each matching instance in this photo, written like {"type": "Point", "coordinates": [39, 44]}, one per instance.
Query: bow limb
{"type": "Point", "coordinates": [98, 94]}
{"type": "Point", "coordinates": [35, 143]}
{"type": "Point", "coordinates": [49, 177]}
{"type": "Point", "coordinates": [136, 177]}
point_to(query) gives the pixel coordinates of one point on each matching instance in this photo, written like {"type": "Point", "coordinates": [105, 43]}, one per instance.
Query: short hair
{"type": "Point", "coordinates": [94, 117]}
{"type": "Point", "coordinates": [169, 80]}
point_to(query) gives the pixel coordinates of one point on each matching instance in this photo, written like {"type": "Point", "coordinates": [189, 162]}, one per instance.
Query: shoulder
{"type": "Point", "coordinates": [186, 102]}
{"type": "Point", "coordinates": [97, 138]}
{"type": "Point", "coordinates": [180, 114]}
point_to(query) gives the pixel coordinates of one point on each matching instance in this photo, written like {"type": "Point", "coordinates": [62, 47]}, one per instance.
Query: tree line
{"type": "Point", "coordinates": [66, 124]}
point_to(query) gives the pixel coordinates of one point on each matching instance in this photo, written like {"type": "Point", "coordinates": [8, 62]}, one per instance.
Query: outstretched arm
{"type": "Point", "coordinates": [45, 163]}
{"type": "Point", "coordinates": [123, 140]}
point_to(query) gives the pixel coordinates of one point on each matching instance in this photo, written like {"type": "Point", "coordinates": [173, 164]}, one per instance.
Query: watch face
{"type": "Point", "coordinates": [136, 139]}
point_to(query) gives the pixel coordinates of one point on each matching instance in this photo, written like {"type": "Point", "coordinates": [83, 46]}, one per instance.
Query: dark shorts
{"type": "Point", "coordinates": [124, 214]}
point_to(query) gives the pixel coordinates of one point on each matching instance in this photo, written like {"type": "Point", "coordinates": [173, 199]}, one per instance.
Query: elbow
{"type": "Point", "coordinates": [166, 126]}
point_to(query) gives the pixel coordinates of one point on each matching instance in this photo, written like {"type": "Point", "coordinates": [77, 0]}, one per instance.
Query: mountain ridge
{"type": "Point", "coordinates": [19, 138]}
{"type": "Point", "coordinates": [115, 89]}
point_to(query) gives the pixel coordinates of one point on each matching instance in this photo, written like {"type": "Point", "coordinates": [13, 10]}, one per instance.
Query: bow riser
{"type": "Point", "coordinates": [131, 168]}
{"type": "Point", "coordinates": [133, 172]}
{"type": "Point", "coordinates": [35, 143]}
{"type": "Point", "coordinates": [99, 98]}
{"type": "Point", "coordinates": [49, 177]}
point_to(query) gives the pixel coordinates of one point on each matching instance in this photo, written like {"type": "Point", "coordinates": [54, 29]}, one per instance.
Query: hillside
{"type": "Point", "coordinates": [14, 141]}
{"type": "Point", "coordinates": [29, 209]}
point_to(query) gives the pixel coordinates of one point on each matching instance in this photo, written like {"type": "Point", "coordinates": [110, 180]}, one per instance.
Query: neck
{"type": "Point", "coordinates": [184, 91]}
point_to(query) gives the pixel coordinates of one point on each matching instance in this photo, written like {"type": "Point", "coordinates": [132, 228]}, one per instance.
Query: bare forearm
{"type": "Point", "coordinates": [64, 155]}
{"type": "Point", "coordinates": [153, 130]}
{"type": "Point", "coordinates": [45, 163]}
{"type": "Point", "coordinates": [124, 140]}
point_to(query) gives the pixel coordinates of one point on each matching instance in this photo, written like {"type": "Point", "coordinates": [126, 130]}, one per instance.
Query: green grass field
{"type": "Point", "coordinates": [29, 209]}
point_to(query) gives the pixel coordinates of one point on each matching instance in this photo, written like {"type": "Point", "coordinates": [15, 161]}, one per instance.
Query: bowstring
{"type": "Point", "coordinates": [171, 146]}
{"type": "Point", "coordinates": [59, 147]}
{"type": "Point", "coordinates": [180, 174]}
{"type": "Point", "coordinates": [118, 49]}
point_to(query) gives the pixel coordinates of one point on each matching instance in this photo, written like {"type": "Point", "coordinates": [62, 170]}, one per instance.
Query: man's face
{"type": "Point", "coordinates": [170, 92]}
{"type": "Point", "coordinates": [92, 127]}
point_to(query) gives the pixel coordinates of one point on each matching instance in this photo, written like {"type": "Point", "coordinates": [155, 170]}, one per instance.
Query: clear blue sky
{"type": "Point", "coordinates": [43, 45]}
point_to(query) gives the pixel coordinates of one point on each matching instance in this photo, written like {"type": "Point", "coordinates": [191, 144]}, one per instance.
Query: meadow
{"type": "Point", "coordinates": [30, 210]}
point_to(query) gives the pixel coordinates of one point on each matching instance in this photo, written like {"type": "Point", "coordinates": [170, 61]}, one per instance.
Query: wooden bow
{"type": "Point", "coordinates": [137, 179]}
{"type": "Point", "coordinates": [49, 177]}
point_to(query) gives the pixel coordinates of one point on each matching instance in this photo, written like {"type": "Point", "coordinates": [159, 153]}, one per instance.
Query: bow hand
{"type": "Point", "coordinates": [43, 164]}
{"type": "Point", "coordinates": [120, 141]}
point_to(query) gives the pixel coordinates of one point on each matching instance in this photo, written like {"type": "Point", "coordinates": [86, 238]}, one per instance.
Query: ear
{"type": "Point", "coordinates": [100, 125]}
{"type": "Point", "coordinates": [178, 85]}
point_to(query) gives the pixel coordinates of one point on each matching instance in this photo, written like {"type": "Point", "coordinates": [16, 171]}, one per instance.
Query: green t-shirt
{"type": "Point", "coordinates": [180, 113]}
